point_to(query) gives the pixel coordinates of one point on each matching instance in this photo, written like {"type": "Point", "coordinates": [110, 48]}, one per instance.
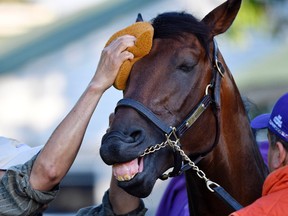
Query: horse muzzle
{"type": "Point", "coordinates": [116, 147]}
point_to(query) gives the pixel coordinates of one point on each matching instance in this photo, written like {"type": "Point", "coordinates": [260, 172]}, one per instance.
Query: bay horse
{"type": "Point", "coordinates": [181, 101]}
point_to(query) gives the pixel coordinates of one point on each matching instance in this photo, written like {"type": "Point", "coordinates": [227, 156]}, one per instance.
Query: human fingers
{"type": "Point", "coordinates": [125, 55]}
{"type": "Point", "coordinates": [112, 57]}
{"type": "Point", "coordinates": [122, 43]}
{"type": "Point", "coordinates": [116, 53]}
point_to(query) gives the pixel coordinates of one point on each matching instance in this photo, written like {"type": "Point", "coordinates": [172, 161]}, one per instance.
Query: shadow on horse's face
{"type": "Point", "coordinates": [170, 81]}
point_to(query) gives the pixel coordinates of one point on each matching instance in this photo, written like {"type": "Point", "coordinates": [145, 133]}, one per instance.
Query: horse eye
{"type": "Point", "coordinates": [185, 68]}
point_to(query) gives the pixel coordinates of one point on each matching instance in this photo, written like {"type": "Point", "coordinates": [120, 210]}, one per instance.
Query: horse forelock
{"type": "Point", "coordinates": [176, 24]}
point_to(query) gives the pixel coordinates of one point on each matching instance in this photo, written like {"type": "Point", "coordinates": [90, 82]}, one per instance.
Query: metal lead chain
{"type": "Point", "coordinates": [199, 172]}
{"type": "Point", "coordinates": [176, 146]}
{"type": "Point", "coordinates": [152, 149]}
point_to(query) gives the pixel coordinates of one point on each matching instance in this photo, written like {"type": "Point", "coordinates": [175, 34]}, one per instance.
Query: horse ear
{"type": "Point", "coordinates": [139, 18]}
{"type": "Point", "coordinates": [222, 17]}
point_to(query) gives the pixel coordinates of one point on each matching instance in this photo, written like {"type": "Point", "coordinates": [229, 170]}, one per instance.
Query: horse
{"type": "Point", "coordinates": [182, 110]}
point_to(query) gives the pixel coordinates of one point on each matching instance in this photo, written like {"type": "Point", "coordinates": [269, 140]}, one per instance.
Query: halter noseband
{"type": "Point", "coordinates": [214, 85]}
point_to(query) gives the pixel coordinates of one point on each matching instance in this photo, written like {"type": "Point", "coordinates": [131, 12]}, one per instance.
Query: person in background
{"type": "Point", "coordinates": [27, 188]}
{"type": "Point", "coordinates": [13, 153]}
{"type": "Point", "coordinates": [274, 200]}
{"type": "Point", "coordinates": [264, 147]}
{"type": "Point", "coordinates": [174, 201]}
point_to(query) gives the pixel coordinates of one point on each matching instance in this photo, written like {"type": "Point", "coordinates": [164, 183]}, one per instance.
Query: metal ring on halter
{"type": "Point", "coordinates": [174, 133]}
{"type": "Point", "coordinates": [219, 67]}
{"type": "Point", "coordinates": [207, 88]}
{"type": "Point", "coordinates": [209, 183]}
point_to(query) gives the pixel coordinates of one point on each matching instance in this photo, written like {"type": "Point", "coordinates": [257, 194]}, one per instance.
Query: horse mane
{"type": "Point", "coordinates": [176, 24]}
{"type": "Point", "coordinates": [250, 108]}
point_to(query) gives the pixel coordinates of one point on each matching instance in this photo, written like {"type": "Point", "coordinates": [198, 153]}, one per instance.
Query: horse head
{"type": "Point", "coordinates": [183, 73]}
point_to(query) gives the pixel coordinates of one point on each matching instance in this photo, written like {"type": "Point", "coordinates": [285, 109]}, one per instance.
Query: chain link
{"type": "Point", "coordinates": [152, 149]}
{"type": "Point", "coordinates": [175, 145]}
{"type": "Point", "coordinates": [199, 172]}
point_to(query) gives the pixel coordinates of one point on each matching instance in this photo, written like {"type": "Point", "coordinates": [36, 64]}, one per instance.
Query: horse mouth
{"type": "Point", "coordinates": [128, 170]}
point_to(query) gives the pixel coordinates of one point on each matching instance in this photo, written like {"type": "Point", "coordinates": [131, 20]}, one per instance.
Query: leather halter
{"type": "Point", "coordinates": [214, 86]}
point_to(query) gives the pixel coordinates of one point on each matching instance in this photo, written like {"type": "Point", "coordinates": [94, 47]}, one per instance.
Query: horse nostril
{"type": "Point", "coordinates": [136, 134]}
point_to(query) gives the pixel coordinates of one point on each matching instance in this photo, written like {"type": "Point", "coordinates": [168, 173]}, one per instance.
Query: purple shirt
{"type": "Point", "coordinates": [175, 200]}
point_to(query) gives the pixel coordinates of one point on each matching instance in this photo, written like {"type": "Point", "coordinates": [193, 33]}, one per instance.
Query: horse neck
{"type": "Point", "coordinates": [236, 135]}
{"type": "Point", "coordinates": [235, 163]}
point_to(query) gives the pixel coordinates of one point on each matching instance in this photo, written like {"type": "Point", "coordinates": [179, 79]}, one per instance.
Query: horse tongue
{"type": "Point", "coordinates": [125, 171]}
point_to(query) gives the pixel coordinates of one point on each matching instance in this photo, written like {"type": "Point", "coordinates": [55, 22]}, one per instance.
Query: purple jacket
{"type": "Point", "coordinates": [174, 201]}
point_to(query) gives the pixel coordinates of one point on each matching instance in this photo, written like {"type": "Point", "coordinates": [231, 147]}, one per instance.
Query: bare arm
{"type": "Point", "coordinates": [60, 151]}
{"type": "Point", "coordinates": [122, 202]}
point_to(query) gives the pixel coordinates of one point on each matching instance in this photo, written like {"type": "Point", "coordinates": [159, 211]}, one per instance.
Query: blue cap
{"type": "Point", "coordinates": [277, 121]}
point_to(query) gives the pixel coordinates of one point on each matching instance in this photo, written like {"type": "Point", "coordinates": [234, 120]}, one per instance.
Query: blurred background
{"type": "Point", "coordinates": [49, 50]}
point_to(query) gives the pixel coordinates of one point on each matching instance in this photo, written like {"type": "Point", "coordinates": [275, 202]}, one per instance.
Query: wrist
{"type": "Point", "coordinates": [96, 88]}
{"type": "Point", "coordinates": [123, 203]}
{"type": "Point", "coordinates": [119, 198]}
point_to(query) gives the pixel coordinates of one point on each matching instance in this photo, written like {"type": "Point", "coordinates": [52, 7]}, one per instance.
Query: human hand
{"type": "Point", "coordinates": [112, 58]}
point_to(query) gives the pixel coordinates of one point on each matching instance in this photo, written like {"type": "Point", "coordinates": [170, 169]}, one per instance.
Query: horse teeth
{"type": "Point", "coordinates": [126, 177]}
{"type": "Point", "coordinates": [120, 178]}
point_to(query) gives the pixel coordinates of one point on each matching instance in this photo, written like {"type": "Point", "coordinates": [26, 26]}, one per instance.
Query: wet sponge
{"type": "Point", "coordinates": [143, 31]}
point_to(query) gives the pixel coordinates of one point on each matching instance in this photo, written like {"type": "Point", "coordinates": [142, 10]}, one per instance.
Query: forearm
{"type": "Point", "coordinates": [62, 147]}
{"type": "Point", "coordinates": [121, 202]}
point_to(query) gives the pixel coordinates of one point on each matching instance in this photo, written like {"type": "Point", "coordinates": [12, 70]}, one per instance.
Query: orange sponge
{"type": "Point", "coordinates": [143, 31]}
